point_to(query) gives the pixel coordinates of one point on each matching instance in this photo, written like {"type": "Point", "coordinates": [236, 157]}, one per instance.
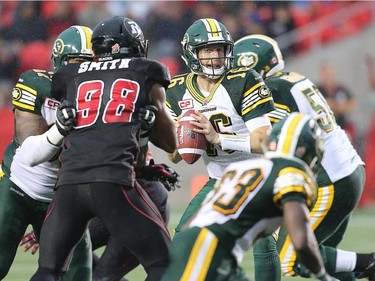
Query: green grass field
{"type": "Point", "coordinates": [359, 237]}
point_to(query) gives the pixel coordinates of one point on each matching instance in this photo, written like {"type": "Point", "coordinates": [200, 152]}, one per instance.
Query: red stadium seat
{"type": "Point", "coordinates": [35, 55]}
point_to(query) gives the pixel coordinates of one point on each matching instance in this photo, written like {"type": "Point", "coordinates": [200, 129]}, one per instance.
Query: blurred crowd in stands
{"type": "Point", "coordinates": [28, 28]}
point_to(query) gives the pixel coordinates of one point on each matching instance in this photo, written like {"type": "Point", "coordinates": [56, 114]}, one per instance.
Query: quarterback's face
{"type": "Point", "coordinates": [212, 56]}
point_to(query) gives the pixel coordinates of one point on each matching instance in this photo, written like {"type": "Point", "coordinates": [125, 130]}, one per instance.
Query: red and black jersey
{"type": "Point", "coordinates": [107, 96]}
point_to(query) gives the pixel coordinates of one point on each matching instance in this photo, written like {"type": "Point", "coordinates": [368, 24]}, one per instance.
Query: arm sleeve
{"type": "Point", "coordinates": [38, 149]}
{"type": "Point", "coordinates": [57, 87]}
{"type": "Point", "coordinates": [257, 122]}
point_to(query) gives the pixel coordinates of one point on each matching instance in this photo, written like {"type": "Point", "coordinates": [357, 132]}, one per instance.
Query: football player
{"type": "Point", "coordinates": [116, 260]}
{"type": "Point", "coordinates": [251, 200]}
{"type": "Point", "coordinates": [230, 105]}
{"type": "Point", "coordinates": [340, 176]}
{"type": "Point", "coordinates": [26, 191]}
{"type": "Point", "coordinates": [97, 178]}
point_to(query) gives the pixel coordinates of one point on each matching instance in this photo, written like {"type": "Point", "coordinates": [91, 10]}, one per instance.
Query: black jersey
{"type": "Point", "coordinates": [107, 96]}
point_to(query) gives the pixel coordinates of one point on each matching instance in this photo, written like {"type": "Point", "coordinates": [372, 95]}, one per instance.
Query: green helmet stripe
{"type": "Point", "coordinates": [290, 133]}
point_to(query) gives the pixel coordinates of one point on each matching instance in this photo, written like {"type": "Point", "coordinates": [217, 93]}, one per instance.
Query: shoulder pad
{"type": "Point", "coordinates": [295, 180]}
{"type": "Point", "coordinates": [156, 71]}
{"type": "Point", "coordinates": [178, 80]}
{"type": "Point", "coordinates": [31, 89]}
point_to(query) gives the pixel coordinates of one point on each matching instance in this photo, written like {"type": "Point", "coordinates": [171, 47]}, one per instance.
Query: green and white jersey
{"type": "Point", "coordinates": [238, 97]}
{"type": "Point", "coordinates": [246, 203]}
{"type": "Point", "coordinates": [294, 92]}
{"type": "Point", "coordinates": [31, 94]}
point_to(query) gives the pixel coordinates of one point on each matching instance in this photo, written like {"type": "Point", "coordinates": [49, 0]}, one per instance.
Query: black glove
{"type": "Point", "coordinates": [65, 118]}
{"type": "Point", "coordinates": [147, 117]}
{"type": "Point", "coordinates": [162, 173]}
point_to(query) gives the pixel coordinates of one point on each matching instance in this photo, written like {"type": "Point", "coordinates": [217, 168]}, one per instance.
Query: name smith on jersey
{"type": "Point", "coordinates": [112, 64]}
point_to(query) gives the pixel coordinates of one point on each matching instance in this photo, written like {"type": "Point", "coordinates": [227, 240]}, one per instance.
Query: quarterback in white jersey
{"type": "Point", "coordinates": [230, 106]}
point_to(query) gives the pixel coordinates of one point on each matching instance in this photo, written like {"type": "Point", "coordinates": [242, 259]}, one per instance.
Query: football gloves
{"type": "Point", "coordinates": [162, 173]}
{"type": "Point", "coordinates": [29, 240]}
{"type": "Point", "coordinates": [147, 117]}
{"type": "Point", "coordinates": [65, 118]}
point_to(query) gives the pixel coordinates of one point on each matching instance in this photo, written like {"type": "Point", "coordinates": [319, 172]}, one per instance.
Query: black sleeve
{"type": "Point", "coordinates": [159, 73]}
{"type": "Point", "coordinates": [58, 86]}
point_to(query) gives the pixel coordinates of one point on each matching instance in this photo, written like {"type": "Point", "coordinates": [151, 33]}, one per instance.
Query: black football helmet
{"type": "Point", "coordinates": [118, 37]}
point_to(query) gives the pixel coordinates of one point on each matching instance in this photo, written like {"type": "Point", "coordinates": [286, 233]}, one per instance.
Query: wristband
{"type": "Point", "coordinates": [143, 138]}
{"type": "Point", "coordinates": [235, 142]}
{"type": "Point", "coordinates": [54, 136]}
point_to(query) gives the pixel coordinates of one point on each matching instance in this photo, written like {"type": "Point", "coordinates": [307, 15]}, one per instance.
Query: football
{"type": "Point", "coordinates": [191, 145]}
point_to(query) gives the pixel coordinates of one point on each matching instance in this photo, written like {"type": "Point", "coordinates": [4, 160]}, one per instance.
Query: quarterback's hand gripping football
{"type": "Point", "coordinates": [65, 118]}
{"type": "Point", "coordinates": [29, 240]}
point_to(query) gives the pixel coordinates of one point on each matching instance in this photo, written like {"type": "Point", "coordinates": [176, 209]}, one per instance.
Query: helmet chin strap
{"type": "Point", "coordinates": [314, 162]}
{"type": "Point", "coordinates": [213, 73]}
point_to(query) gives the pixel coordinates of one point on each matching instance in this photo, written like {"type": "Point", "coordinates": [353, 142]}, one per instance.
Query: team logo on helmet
{"type": "Point", "coordinates": [58, 47]}
{"type": "Point", "coordinates": [249, 59]}
{"type": "Point", "coordinates": [134, 29]}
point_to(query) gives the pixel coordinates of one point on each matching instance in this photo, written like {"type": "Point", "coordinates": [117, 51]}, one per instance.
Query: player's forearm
{"type": "Point", "coordinates": [258, 138]}
{"type": "Point", "coordinates": [258, 128]}
{"type": "Point", "coordinates": [163, 134]}
{"type": "Point", "coordinates": [310, 257]}
{"type": "Point", "coordinates": [296, 220]}
{"type": "Point", "coordinates": [41, 148]}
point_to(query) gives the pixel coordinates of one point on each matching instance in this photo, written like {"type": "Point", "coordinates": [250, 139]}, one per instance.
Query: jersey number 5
{"type": "Point", "coordinates": [119, 108]}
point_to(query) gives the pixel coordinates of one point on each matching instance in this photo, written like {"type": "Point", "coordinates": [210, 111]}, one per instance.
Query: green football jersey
{"type": "Point", "coordinates": [236, 98]}
{"type": "Point", "coordinates": [32, 94]}
{"type": "Point", "coordinates": [246, 203]}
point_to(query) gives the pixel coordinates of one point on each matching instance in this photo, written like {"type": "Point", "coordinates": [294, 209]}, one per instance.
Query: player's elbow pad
{"type": "Point", "coordinates": [37, 149]}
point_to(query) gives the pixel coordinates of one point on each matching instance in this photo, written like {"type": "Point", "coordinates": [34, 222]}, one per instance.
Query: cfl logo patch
{"type": "Point", "coordinates": [185, 104]}
{"type": "Point", "coordinates": [51, 103]}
